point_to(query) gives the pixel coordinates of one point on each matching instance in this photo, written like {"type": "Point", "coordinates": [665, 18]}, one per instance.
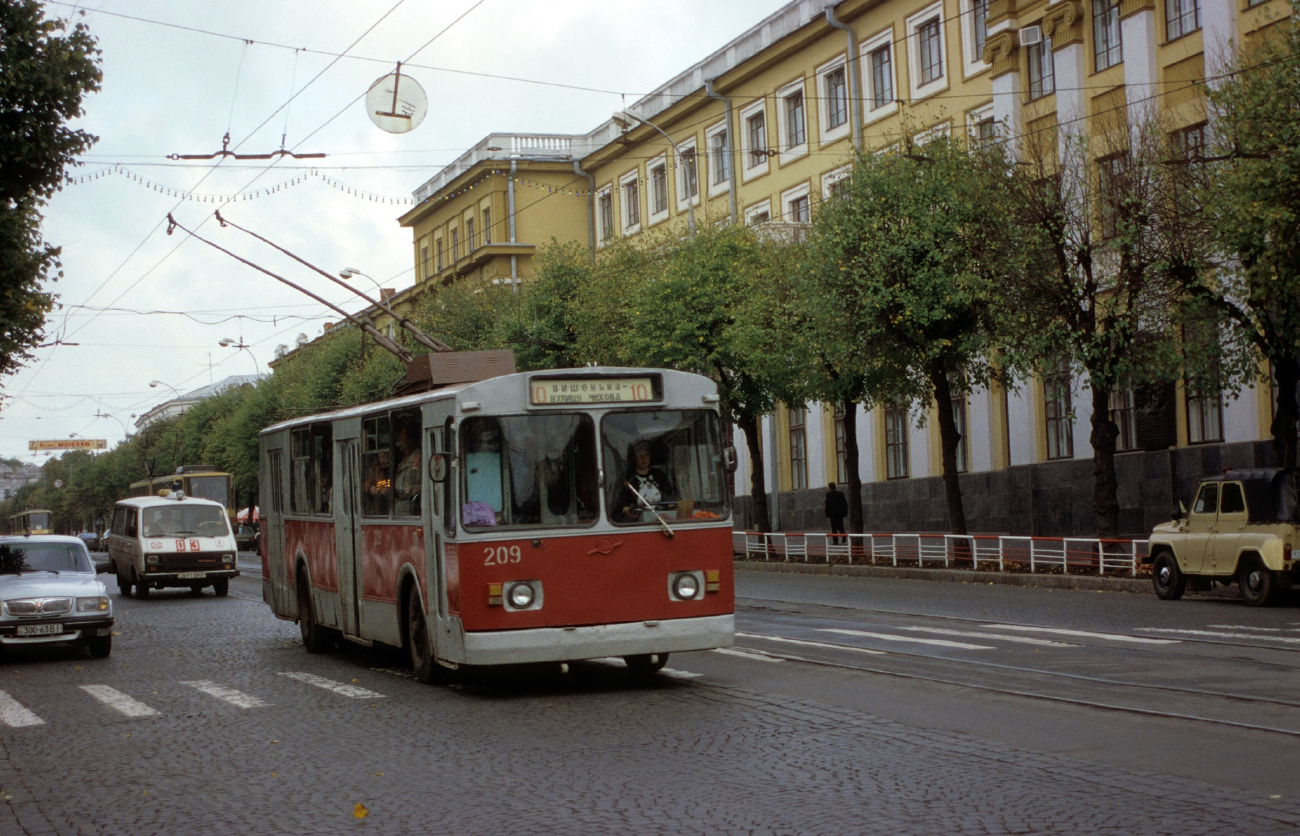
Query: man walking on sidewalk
{"type": "Point", "coordinates": [837, 508]}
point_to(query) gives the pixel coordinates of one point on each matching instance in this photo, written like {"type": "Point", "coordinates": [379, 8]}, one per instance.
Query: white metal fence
{"type": "Point", "coordinates": [1005, 552]}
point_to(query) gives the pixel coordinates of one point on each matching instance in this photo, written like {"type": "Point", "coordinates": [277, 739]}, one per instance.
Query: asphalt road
{"type": "Point", "coordinates": [849, 705]}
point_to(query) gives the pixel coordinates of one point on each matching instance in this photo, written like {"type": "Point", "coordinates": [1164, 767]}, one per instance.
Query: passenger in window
{"type": "Point", "coordinates": [483, 493]}
{"type": "Point", "coordinates": [644, 485]}
{"type": "Point", "coordinates": [407, 483]}
{"type": "Point", "coordinates": [378, 487]}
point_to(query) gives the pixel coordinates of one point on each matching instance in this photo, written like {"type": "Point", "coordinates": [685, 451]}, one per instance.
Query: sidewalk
{"type": "Point", "coordinates": [1042, 580]}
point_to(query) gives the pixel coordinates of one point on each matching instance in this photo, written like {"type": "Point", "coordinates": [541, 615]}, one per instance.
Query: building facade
{"type": "Point", "coordinates": [764, 129]}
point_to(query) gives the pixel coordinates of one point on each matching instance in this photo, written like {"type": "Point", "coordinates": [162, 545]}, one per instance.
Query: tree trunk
{"type": "Point", "coordinates": [1287, 372]}
{"type": "Point", "coordinates": [851, 465]}
{"type": "Point", "coordinates": [949, 439]}
{"type": "Point", "coordinates": [757, 490]}
{"type": "Point", "coordinates": [1105, 487]}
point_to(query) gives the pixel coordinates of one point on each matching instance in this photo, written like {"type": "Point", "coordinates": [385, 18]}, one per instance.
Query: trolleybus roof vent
{"type": "Point", "coordinates": [446, 368]}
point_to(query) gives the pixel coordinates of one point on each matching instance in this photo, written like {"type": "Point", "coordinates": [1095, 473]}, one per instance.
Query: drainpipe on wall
{"type": "Point", "coordinates": [731, 144]}
{"type": "Point", "coordinates": [510, 192]}
{"type": "Point", "coordinates": [591, 207]}
{"type": "Point", "coordinates": [855, 78]}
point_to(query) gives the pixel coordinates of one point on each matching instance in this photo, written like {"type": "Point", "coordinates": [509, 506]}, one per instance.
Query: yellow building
{"type": "Point", "coordinates": [764, 128]}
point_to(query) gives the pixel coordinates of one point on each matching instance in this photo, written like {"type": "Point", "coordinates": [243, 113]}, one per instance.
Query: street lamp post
{"type": "Point", "coordinates": [348, 273]}
{"type": "Point", "coordinates": [624, 120]}
{"type": "Point", "coordinates": [154, 384]}
{"type": "Point", "coordinates": [227, 342]}
{"type": "Point", "coordinates": [125, 432]}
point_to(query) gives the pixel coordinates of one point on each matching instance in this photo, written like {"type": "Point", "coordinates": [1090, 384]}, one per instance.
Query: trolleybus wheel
{"type": "Point", "coordinates": [221, 586]}
{"type": "Point", "coordinates": [141, 586]}
{"type": "Point", "coordinates": [315, 638]}
{"type": "Point", "coordinates": [417, 640]}
{"type": "Point", "coordinates": [646, 662]}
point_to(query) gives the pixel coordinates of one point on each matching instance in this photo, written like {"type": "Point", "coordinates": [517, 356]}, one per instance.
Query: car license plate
{"type": "Point", "coordinates": [39, 629]}
{"type": "Point", "coordinates": [191, 576]}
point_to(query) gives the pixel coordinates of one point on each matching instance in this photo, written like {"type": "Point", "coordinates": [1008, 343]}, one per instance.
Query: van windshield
{"type": "Point", "coordinates": [169, 520]}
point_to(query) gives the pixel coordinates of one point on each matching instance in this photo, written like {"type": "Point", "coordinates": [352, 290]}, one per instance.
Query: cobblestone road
{"type": "Point", "coordinates": [234, 744]}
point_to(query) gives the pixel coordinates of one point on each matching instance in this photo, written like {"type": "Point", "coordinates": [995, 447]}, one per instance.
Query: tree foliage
{"type": "Point", "coordinates": [46, 70]}
{"type": "Point", "coordinates": [909, 259]}
{"type": "Point", "coordinates": [1252, 198]}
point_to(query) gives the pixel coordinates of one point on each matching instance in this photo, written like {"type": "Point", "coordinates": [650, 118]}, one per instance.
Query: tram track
{"type": "Point", "coordinates": [1036, 695]}
{"type": "Point", "coordinates": [800, 608]}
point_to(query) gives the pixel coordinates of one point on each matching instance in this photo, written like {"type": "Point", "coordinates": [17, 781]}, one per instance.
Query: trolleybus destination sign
{"type": "Point", "coordinates": [553, 390]}
{"type": "Point", "coordinates": [68, 444]}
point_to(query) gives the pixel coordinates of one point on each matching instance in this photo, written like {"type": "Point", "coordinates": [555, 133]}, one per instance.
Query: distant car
{"type": "Point", "coordinates": [246, 538]}
{"type": "Point", "coordinates": [91, 539]}
{"type": "Point", "coordinates": [50, 595]}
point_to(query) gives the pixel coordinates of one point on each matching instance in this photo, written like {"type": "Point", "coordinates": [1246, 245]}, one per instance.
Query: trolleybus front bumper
{"type": "Point", "coordinates": [566, 644]}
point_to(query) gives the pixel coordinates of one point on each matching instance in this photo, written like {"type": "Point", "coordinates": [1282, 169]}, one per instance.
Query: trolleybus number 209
{"type": "Point", "coordinates": [618, 390]}
{"type": "Point", "coordinates": [501, 555]}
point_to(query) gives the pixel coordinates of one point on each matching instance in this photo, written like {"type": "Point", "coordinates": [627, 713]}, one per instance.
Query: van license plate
{"type": "Point", "coordinates": [192, 576]}
{"type": "Point", "coordinates": [39, 629]}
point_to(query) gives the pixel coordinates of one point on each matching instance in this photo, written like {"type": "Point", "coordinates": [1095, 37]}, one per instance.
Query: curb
{"type": "Point", "coordinates": [1044, 581]}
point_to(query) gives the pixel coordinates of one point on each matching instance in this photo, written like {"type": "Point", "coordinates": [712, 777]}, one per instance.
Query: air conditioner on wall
{"type": "Point", "coordinates": [1031, 35]}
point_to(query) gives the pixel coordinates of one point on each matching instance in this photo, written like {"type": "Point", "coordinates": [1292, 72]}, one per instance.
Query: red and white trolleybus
{"type": "Point", "coordinates": [532, 517]}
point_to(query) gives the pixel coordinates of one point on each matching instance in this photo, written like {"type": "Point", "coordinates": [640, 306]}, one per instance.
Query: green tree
{"type": "Point", "coordinates": [1098, 293]}
{"type": "Point", "coordinates": [543, 334]}
{"type": "Point", "coordinates": [683, 310]}
{"type": "Point", "coordinates": [909, 259]}
{"type": "Point", "coordinates": [45, 72]}
{"type": "Point", "coordinates": [1252, 197]}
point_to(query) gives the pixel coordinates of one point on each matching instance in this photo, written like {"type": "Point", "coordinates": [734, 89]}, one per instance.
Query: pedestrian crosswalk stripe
{"type": "Point", "coordinates": [974, 635]}
{"type": "Point", "coordinates": [230, 695]}
{"type": "Point", "coordinates": [1218, 634]}
{"type": "Point", "coordinates": [1060, 631]}
{"type": "Point", "coordinates": [14, 715]}
{"type": "Point", "coordinates": [889, 637]}
{"type": "Point", "coordinates": [118, 701]}
{"type": "Point", "coordinates": [810, 643]}
{"type": "Point", "coordinates": [747, 654]}
{"type": "Point", "coordinates": [354, 691]}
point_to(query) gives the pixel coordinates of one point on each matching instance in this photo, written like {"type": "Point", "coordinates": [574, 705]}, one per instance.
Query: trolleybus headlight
{"type": "Point", "coordinates": [686, 586]}
{"type": "Point", "coordinates": [521, 595]}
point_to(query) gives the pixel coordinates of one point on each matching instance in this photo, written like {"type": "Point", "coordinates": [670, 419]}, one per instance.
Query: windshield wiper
{"type": "Point", "coordinates": [668, 532]}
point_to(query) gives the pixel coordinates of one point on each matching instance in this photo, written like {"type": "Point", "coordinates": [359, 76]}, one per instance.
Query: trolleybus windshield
{"type": "Point", "coordinates": [209, 487]}
{"type": "Point", "coordinates": [529, 470]}
{"type": "Point", "coordinates": [668, 459]}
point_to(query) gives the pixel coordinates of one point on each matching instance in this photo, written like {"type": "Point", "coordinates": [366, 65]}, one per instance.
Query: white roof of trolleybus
{"type": "Point", "coordinates": [468, 392]}
{"type": "Point", "coordinates": [152, 501]}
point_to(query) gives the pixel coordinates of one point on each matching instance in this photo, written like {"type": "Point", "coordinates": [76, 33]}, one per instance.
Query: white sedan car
{"type": "Point", "coordinates": [50, 595]}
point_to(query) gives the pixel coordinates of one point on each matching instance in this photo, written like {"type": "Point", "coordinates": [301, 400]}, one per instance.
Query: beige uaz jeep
{"type": "Point", "coordinates": [1241, 528]}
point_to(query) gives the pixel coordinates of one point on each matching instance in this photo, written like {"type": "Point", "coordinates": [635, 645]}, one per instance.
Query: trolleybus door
{"type": "Point", "coordinates": [275, 591]}
{"type": "Point", "coordinates": [348, 531]}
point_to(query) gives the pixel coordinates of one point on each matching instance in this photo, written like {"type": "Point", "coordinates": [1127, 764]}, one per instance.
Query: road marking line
{"type": "Point", "coordinates": [1220, 635]}
{"type": "Point", "coordinates": [230, 695]}
{"type": "Point", "coordinates": [679, 674]}
{"type": "Point", "coordinates": [811, 643]}
{"type": "Point", "coordinates": [356, 692]}
{"type": "Point", "coordinates": [971, 634]}
{"type": "Point", "coordinates": [14, 715]}
{"type": "Point", "coordinates": [1248, 627]}
{"type": "Point", "coordinates": [118, 701]}
{"type": "Point", "coordinates": [1083, 634]}
{"type": "Point", "coordinates": [747, 654]}
{"type": "Point", "coordinates": [889, 637]}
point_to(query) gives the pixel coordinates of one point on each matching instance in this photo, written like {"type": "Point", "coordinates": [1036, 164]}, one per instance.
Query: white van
{"type": "Point", "coordinates": [173, 540]}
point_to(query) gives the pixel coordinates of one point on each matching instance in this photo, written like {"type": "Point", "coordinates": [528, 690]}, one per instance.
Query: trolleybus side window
{"type": "Point", "coordinates": [407, 460]}
{"type": "Point", "coordinates": [529, 470]}
{"type": "Point", "coordinates": [669, 460]}
{"type": "Point", "coordinates": [277, 481]}
{"type": "Point", "coordinates": [311, 450]}
{"type": "Point", "coordinates": [376, 466]}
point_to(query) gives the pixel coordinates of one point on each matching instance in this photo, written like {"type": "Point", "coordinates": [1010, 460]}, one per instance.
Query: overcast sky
{"type": "Point", "coordinates": [178, 75]}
